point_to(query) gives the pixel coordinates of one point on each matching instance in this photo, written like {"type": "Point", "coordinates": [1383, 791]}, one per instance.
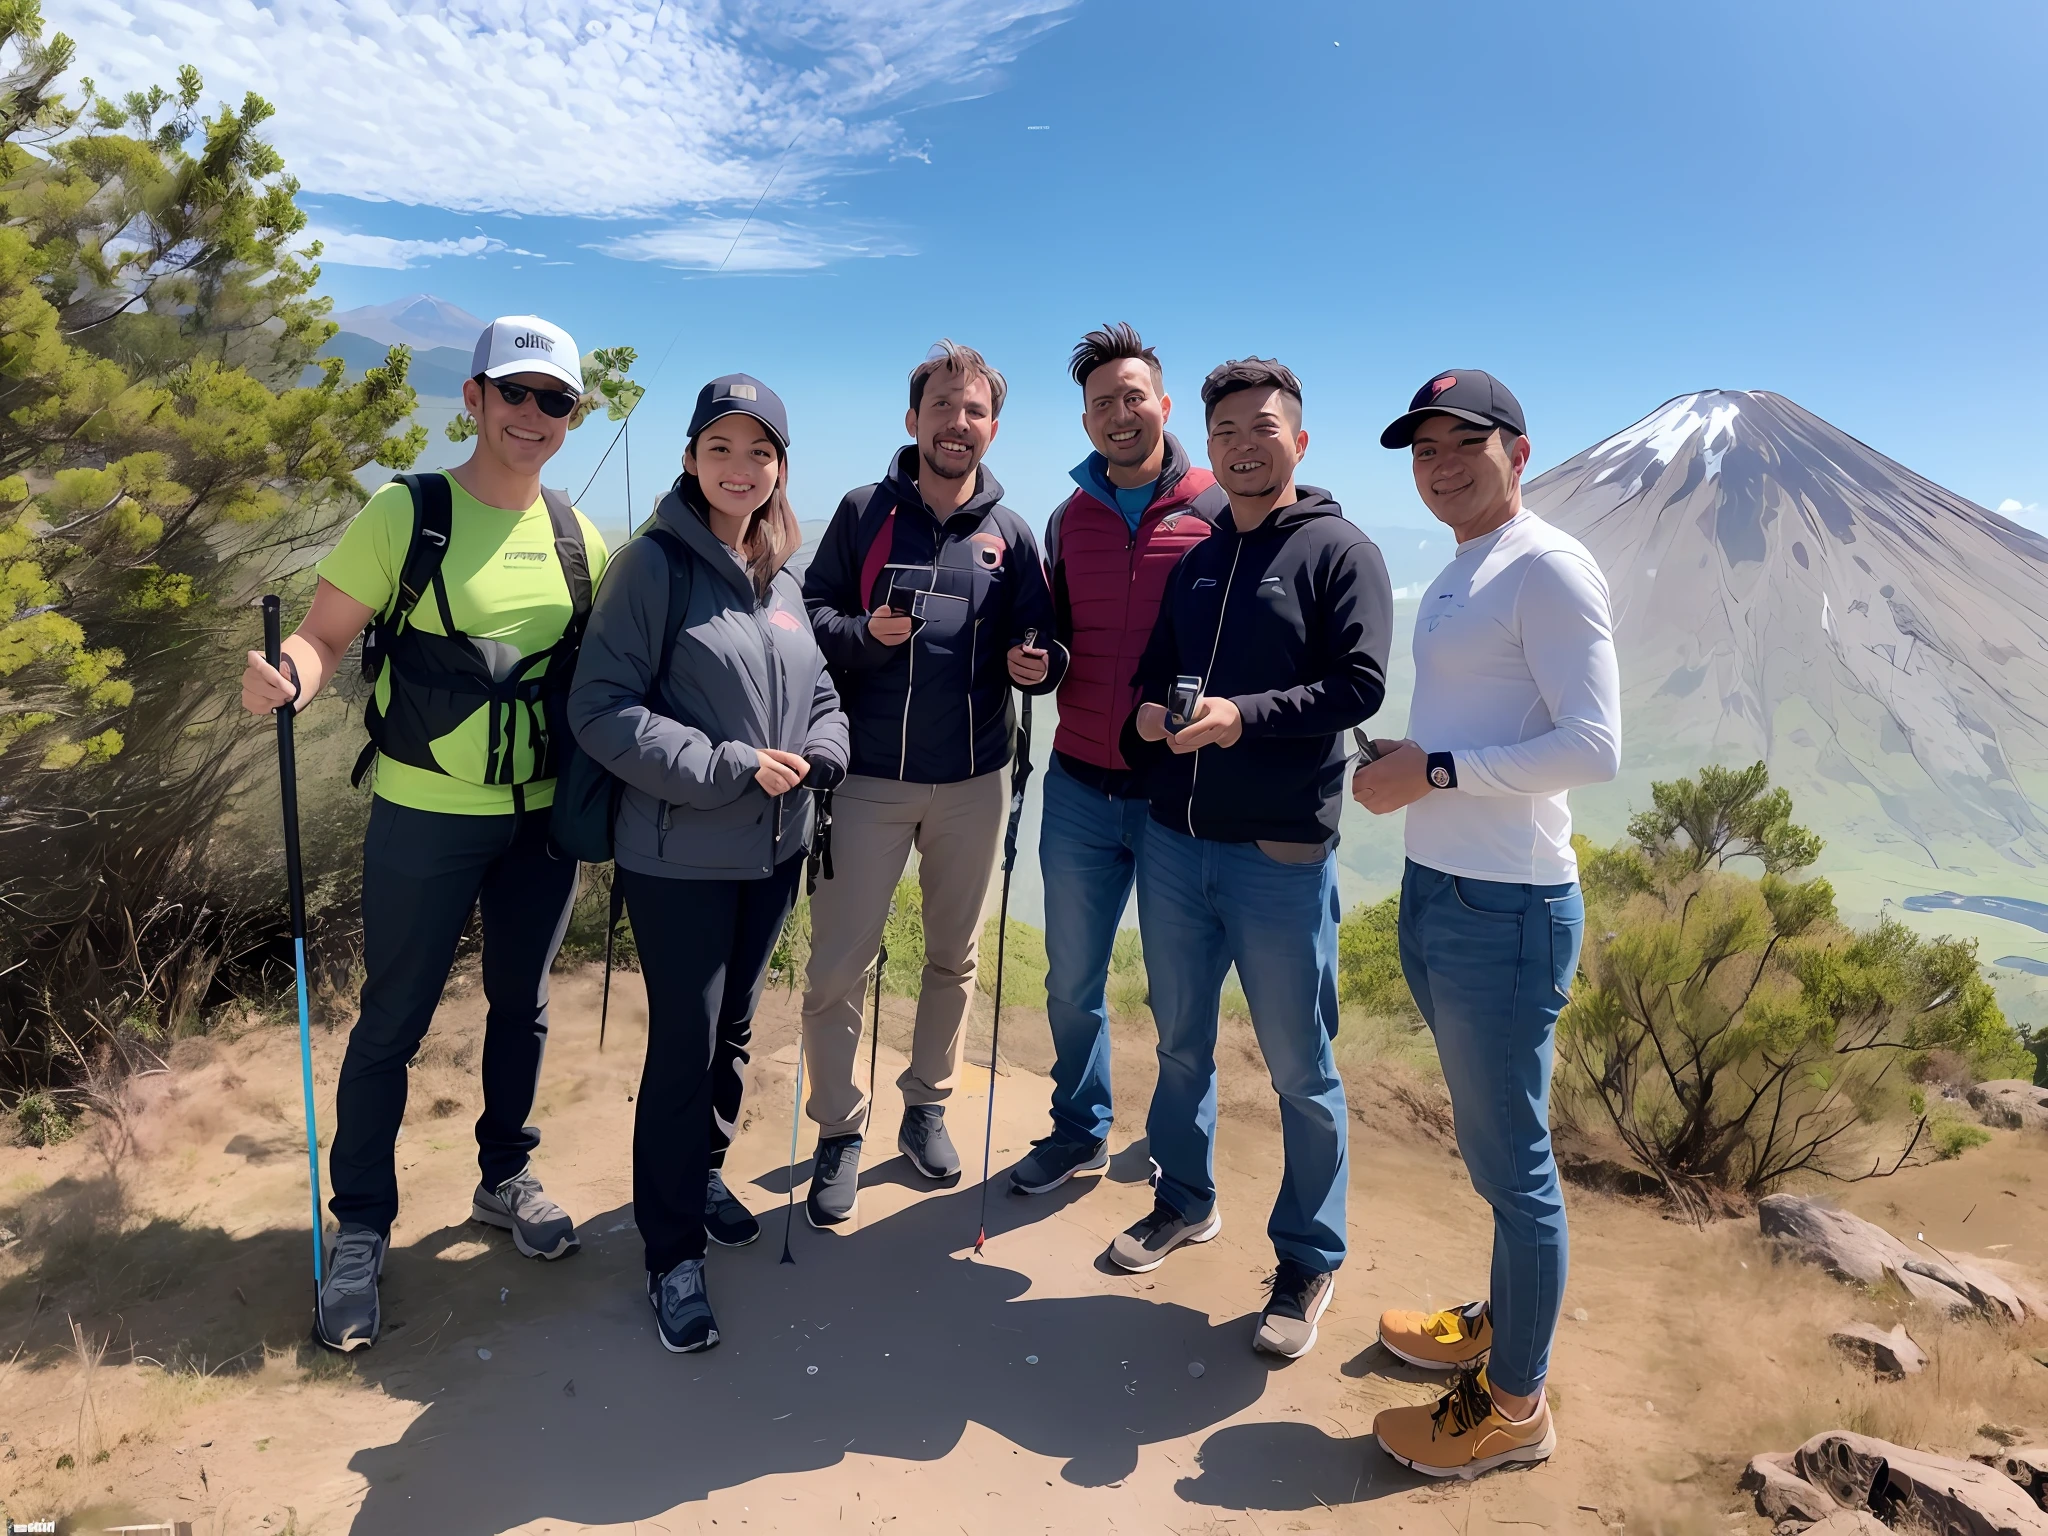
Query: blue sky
{"type": "Point", "coordinates": [1605, 204]}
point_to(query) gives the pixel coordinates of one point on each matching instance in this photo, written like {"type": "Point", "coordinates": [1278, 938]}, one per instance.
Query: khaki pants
{"type": "Point", "coordinates": [957, 830]}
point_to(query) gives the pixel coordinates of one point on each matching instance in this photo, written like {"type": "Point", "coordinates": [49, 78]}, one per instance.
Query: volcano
{"type": "Point", "coordinates": [1785, 592]}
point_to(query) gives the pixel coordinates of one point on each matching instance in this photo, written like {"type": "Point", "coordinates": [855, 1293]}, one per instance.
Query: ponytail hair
{"type": "Point", "coordinates": [771, 535]}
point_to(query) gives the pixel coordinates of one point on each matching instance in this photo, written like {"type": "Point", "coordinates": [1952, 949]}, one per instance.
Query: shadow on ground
{"type": "Point", "coordinates": [885, 1341]}
{"type": "Point", "coordinates": [888, 1340]}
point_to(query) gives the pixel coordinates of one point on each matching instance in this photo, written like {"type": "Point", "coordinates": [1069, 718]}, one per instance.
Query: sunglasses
{"type": "Point", "coordinates": [552, 402]}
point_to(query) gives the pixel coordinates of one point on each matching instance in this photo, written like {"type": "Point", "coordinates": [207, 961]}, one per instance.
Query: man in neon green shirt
{"type": "Point", "coordinates": [460, 819]}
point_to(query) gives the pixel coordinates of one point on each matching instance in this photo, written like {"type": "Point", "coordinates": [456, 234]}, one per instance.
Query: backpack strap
{"type": "Point", "coordinates": [570, 551]}
{"type": "Point", "coordinates": [433, 522]}
{"type": "Point", "coordinates": [678, 605]}
{"type": "Point", "coordinates": [876, 557]}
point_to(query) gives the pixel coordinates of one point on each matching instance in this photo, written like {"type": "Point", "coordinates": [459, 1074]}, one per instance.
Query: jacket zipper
{"type": "Point", "coordinates": [973, 647]}
{"type": "Point", "coordinates": [761, 622]}
{"type": "Point", "coordinates": [1215, 645]}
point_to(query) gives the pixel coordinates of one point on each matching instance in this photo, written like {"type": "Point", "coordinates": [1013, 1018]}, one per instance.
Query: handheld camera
{"type": "Point", "coordinates": [1181, 701]}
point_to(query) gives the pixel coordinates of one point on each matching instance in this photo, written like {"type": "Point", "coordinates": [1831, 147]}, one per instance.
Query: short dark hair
{"type": "Point", "coordinates": [1242, 373]}
{"type": "Point", "coordinates": [1112, 344]}
{"type": "Point", "coordinates": [962, 362]}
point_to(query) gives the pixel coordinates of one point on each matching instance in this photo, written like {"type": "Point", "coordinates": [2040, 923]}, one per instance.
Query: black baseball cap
{"type": "Point", "coordinates": [740, 394]}
{"type": "Point", "coordinates": [1465, 393]}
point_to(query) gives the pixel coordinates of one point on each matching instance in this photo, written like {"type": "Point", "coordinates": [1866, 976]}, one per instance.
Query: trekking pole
{"type": "Point", "coordinates": [796, 1110]}
{"type": "Point", "coordinates": [1020, 774]}
{"type": "Point", "coordinates": [295, 881]}
{"type": "Point", "coordinates": [875, 1040]}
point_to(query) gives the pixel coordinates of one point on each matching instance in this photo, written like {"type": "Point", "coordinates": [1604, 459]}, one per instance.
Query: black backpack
{"type": "Point", "coordinates": [587, 794]}
{"type": "Point", "coordinates": [438, 681]}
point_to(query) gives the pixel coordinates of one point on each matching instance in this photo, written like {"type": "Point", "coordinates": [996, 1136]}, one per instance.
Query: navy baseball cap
{"type": "Point", "coordinates": [740, 394]}
{"type": "Point", "coordinates": [1465, 393]}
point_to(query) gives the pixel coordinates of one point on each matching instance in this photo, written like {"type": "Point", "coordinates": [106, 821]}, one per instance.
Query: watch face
{"type": "Point", "coordinates": [1440, 776]}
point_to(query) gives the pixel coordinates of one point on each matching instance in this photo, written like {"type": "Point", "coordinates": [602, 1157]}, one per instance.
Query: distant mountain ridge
{"type": "Point", "coordinates": [1784, 591]}
{"type": "Point", "coordinates": [419, 320]}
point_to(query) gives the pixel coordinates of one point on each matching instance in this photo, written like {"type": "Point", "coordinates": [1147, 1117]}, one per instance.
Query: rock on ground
{"type": "Point", "coordinates": [1781, 1493]}
{"type": "Point", "coordinates": [1854, 1249]}
{"type": "Point", "coordinates": [1892, 1354]}
{"type": "Point", "coordinates": [1911, 1489]}
{"type": "Point", "coordinates": [2011, 1103]}
{"type": "Point", "coordinates": [2027, 1465]}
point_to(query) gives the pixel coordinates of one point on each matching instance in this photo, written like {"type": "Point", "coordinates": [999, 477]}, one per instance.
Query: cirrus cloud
{"type": "Point", "coordinates": [599, 108]}
{"type": "Point", "coordinates": [346, 248]}
{"type": "Point", "coordinates": [734, 244]}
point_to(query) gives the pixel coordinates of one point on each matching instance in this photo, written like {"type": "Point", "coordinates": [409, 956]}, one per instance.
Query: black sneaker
{"type": "Point", "coordinates": [682, 1309]}
{"type": "Point", "coordinates": [726, 1222]}
{"type": "Point", "coordinates": [924, 1141]}
{"type": "Point", "coordinates": [1298, 1298]}
{"type": "Point", "coordinates": [1144, 1247]}
{"type": "Point", "coordinates": [346, 1315]}
{"type": "Point", "coordinates": [835, 1181]}
{"type": "Point", "coordinates": [1050, 1163]}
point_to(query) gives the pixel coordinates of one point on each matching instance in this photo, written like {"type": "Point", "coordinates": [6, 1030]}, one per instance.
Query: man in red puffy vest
{"type": "Point", "coordinates": [1141, 504]}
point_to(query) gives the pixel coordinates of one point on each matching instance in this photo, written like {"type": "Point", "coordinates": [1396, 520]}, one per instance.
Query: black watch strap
{"type": "Point", "coordinates": [1443, 770]}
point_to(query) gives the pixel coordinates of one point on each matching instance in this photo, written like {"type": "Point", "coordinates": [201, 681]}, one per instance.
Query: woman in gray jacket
{"type": "Point", "coordinates": [719, 759]}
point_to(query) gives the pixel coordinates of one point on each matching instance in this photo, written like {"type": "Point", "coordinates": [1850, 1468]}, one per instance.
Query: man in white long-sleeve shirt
{"type": "Point", "coordinates": [1517, 700]}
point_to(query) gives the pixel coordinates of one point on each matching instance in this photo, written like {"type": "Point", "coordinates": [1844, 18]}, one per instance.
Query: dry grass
{"type": "Point", "coordinates": [1746, 1348]}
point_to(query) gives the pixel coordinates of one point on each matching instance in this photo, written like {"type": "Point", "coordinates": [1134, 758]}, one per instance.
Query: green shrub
{"type": "Point", "coordinates": [1731, 1030]}
{"type": "Point", "coordinates": [1952, 1136]}
{"type": "Point", "coordinates": [42, 1120]}
{"type": "Point", "coordinates": [1369, 961]}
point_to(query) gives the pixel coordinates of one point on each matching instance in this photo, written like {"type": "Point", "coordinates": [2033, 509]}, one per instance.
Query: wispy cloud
{"type": "Point", "coordinates": [704, 244]}
{"type": "Point", "coordinates": [345, 249]}
{"type": "Point", "coordinates": [573, 107]}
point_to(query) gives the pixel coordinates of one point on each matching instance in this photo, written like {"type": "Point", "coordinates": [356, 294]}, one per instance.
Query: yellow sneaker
{"type": "Point", "coordinates": [1454, 1340]}
{"type": "Point", "coordinates": [1464, 1434]}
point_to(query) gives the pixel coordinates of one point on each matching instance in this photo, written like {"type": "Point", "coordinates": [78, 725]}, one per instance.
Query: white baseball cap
{"type": "Point", "coordinates": [527, 344]}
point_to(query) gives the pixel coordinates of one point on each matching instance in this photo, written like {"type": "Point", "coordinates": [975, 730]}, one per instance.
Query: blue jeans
{"type": "Point", "coordinates": [1203, 906]}
{"type": "Point", "coordinates": [1490, 965]}
{"type": "Point", "coordinates": [1088, 852]}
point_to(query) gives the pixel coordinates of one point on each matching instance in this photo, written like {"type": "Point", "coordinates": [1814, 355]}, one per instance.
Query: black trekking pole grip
{"type": "Point", "coordinates": [287, 769]}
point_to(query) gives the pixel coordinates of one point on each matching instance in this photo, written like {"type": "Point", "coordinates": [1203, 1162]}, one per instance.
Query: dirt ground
{"type": "Point", "coordinates": [154, 1303]}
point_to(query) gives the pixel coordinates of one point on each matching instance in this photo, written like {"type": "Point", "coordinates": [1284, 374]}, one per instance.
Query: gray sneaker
{"type": "Point", "coordinates": [540, 1228]}
{"type": "Point", "coordinates": [924, 1141]}
{"type": "Point", "coordinates": [835, 1181]}
{"type": "Point", "coordinates": [1297, 1300]}
{"type": "Point", "coordinates": [682, 1309]}
{"type": "Point", "coordinates": [1050, 1163]}
{"type": "Point", "coordinates": [1145, 1246]}
{"type": "Point", "coordinates": [346, 1316]}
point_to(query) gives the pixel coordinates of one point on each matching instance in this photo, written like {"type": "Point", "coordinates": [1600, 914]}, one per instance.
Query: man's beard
{"type": "Point", "coordinates": [945, 471]}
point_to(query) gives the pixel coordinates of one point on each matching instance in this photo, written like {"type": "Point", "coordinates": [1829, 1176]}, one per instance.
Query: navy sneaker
{"type": "Point", "coordinates": [924, 1141]}
{"type": "Point", "coordinates": [682, 1309]}
{"type": "Point", "coordinates": [1050, 1163]}
{"type": "Point", "coordinates": [835, 1181]}
{"type": "Point", "coordinates": [726, 1222]}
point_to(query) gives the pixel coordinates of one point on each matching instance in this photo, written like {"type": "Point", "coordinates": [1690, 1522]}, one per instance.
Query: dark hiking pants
{"type": "Point", "coordinates": [704, 948]}
{"type": "Point", "coordinates": [424, 872]}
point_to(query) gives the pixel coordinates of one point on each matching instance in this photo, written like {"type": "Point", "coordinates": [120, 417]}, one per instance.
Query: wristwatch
{"type": "Point", "coordinates": [1442, 770]}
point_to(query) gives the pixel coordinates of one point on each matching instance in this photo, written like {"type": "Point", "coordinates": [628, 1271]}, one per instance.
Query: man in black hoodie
{"type": "Point", "coordinates": [1270, 644]}
{"type": "Point", "coordinates": [929, 600]}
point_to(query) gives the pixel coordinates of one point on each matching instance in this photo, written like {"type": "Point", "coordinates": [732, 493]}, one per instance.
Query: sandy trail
{"type": "Point", "coordinates": [885, 1380]}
